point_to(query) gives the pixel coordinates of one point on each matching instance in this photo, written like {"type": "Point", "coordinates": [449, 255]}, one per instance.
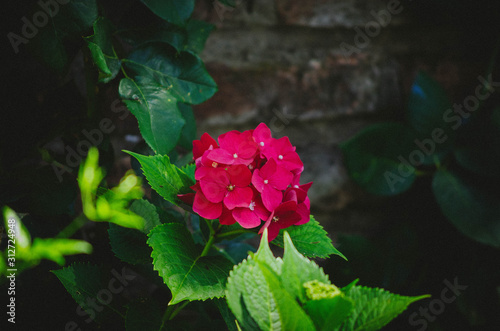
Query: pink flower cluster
{"type": "Point", "coordinates": [249, 177]}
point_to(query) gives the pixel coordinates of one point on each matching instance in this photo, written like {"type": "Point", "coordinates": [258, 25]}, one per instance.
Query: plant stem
{"type": "Point", "coordinates": [72, 227]}
{"type": "Point", "coordinates": [209, 244]}
{"type": "Point", "coordinates": [234, 232]}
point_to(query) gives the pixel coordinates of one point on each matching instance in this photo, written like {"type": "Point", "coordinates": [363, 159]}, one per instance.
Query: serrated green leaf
{"type": "Point", "coordinates": [310, 239]}
{"type": "Point", "coordinates": [374, 308]}
{"type": "Point", "coordinates": [474, 210]}
{"type": "Point", "coordinates": [182, 74]}
{"type": "Point", "coordinates": [372, 158]}
{"type": "Point", "coordinates": [328, 314]}
{"type": "Point", "coordinates": [198, 32]}
{"type": "Point", "coordinates": [265, 255]}
{"type": "Point", "coordinates": [159, 118]}
{"type": "Point", "coordinates": [56, 249]}
{"type": "Point", "coordinates": [298, 270]}
{"type": "Point", "coordinates": [178, 261]}
{"type": "Point", "coordinates": [148, 212]}
{"type": "Point", "coordinates": [173, 11]}
{"type": "Point", "coordinates": [101, 49]}
{"type": "Point", "coordinates": [164, 177]}
{"type": "Point", "coordinates": [143, 315]}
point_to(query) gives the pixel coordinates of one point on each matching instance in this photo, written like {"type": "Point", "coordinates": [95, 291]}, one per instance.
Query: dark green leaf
{"type": "Point", "coordinates": [164, 177]}
{"type": "Point", "coordinates": [173, 11]}
{"type": "Point", "coordinates": [375, 158]}
{"type": "Point", "coordinates": [160, 121]}
{"type": "Point", "coordinates": [188, 275]}
{"type": "Point", "coordinates": [101, 49]}
{"type": "Point", "coordinates": [182, 74]}
{"type": "Point", "coordinates": [227, 315]}
{"type": "Point", "coordinates": [473, 210]}
{"type": "Point", "coordinates": [374, 308]}
{"type": "Point", "coordinates": [310, 239]}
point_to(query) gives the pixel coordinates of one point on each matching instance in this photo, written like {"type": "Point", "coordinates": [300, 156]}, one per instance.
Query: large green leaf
{"type": "Point", "coordinates": [101, 49]}
{"type": "Point", "coordinates": [375, 158]}
{"type": "Point", "coordinates": [173, 11]}
{"type": "Point", "coordinates": [475, 211]}
{"type": "Point", "coordinates": [310, 239]}
{"type": "Point", "coordinates": [164, 177]}
{"type": "Point", "coordinates": [159, 118]}
{"type": "Point", "coordinates": [374, 308]}
{"type": "Point", "coordinates": [183, 74]}
{"type": "Point", "coordinates": [427, 108]}
{"type": "Point", "coordinates": [178, 260]}
{"type": "Point", "coordinates": [298, 270]}
{"type": "Point", "coordinates": [188, 133]}
{"type": "Point", "coordinates": [256, 295]}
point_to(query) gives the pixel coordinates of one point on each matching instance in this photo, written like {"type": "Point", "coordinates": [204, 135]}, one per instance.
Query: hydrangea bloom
{"type": "Point", "coordinates": [249, 178]}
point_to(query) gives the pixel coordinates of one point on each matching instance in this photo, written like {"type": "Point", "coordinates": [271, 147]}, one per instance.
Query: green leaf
{"type": "Point", "coordinates": [198, 32]}
{"type": "Point", "coordinates": [143, 315]}
{"type": "Point", "coordinates": [474, 210]}
{"type": "Point", "coordinates": [188, 275]}
{"type": "Point", "coordinates": [159, 118]}
{"type": "Point", "coordinates": [164, 177]}
{"type": "Point", "coordinates": [427, 106]}
{"type": "Point", "coordinates": [265, 255]}
{"type": "Point", "coordinates": [298, 270]}
{"type": "Point", "coordinates": [148, 212]}
{"type": "Point", "coordinates": [310, 239]}
{"type": "Point", "coordinates": [163, 33]}
{"type": "Point", "coordinates": [188, 133]}
{"type": "Point", "coordinates": [173, 11]}
{"type": "Point", "coordinates": [227, 315]}
{"type": "Point", "coordinates": [101, 49]}
{"type": "Point", "coordinates": [373, 158]}
{"type": "Point", "coordinates": [56, 249]}
{"type": "Point", "coordinates": [374, 308]}
{"type": "Point", "coordinates": [328, 307]}
{"type": "Point", "coordinates": [182, 74]}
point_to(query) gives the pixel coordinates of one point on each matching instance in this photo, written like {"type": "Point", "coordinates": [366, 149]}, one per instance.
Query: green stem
{"type": "Point", "coordinates": [72, 227]}
{"type": "Point", "coordinates": [234, 232]}
{"type": "Point", "coordinates": [208, 246]}
{"type": "Point", "coordinates": [178, 309]}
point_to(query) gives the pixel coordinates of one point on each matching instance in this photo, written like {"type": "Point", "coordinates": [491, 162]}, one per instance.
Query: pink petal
{"type": "Point", "coordinates": [291, 161]}
{"type": "Point", "coordinates": [246, 218]}
{"type": "Point", "coordinates": [272, 231]}
{"type": "Point", "coordinates": [258, 181]}
{"type": "Point", "coordinates": [205, 208]}
{"type": "Point", "coordinates": [200, 146]}
{"type": "Point", "coordinates": [214, 184]}
{"type": "Point", "coordinates": [304, 213]}
{"type": "Point", "coordinates": [268, 169]}
{"type": "Point", "coordinates": [221, 156]}
{"type": "Point", "coordinates": [239, 175]}
{"type": "Point", "coordinates": [262, 134]}
{"type": "Point", "coordinates": [271, 198]}
{"type": "Point", "coordinates": [281, 178]}
{"type": "Point", "coordinates": [238, 197]}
